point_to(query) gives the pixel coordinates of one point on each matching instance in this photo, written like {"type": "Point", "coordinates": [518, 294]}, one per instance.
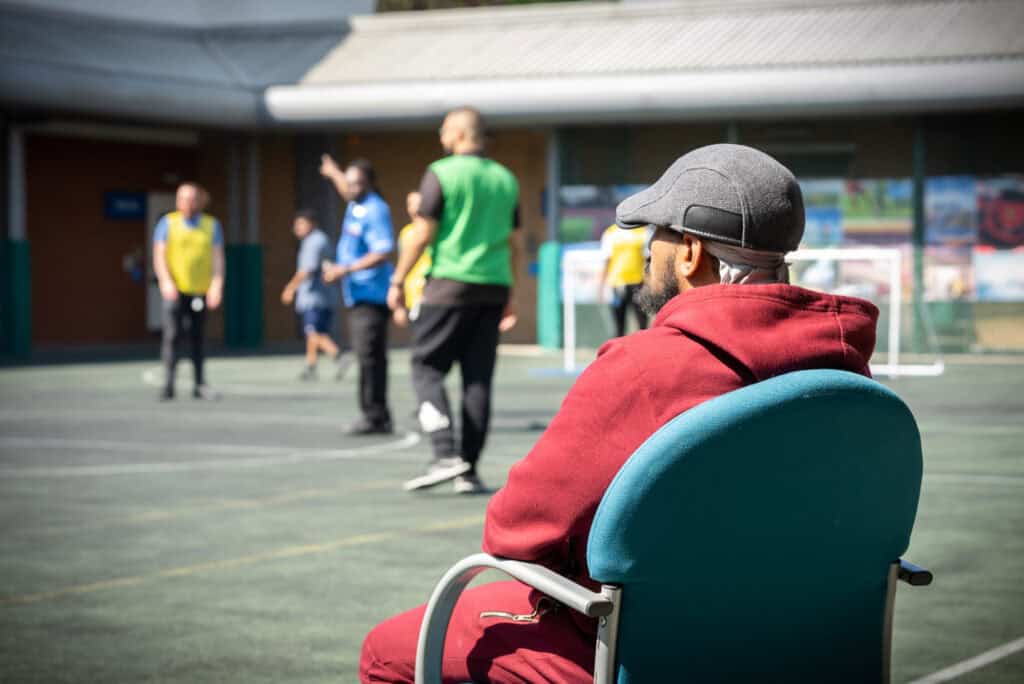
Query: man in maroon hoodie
{"type": "Point", "coordinates": [725, 317]}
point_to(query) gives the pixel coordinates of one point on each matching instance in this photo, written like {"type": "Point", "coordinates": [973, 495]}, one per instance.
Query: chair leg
{"type": "Point", "coordinates": [607, 638]}
{"type": "Point", "coordinates": [890, 604]}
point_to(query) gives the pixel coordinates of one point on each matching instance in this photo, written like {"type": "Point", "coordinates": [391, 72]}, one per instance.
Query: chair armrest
{"type": "Point", "coordinates": [430, 648]}
{"type": "Point", "coordinates": [914, 575]}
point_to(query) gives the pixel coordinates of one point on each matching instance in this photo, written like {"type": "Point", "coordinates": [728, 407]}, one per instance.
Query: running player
{"type": "Point", "coordinates": [313, 298]}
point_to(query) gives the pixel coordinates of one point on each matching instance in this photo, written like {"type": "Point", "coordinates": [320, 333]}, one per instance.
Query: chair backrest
{"type": "Point", "coordinates": [752, 535]}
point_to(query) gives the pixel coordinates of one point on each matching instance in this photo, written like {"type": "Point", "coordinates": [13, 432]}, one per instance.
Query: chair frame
{"type": "Point", "coordinates": [605, 606]}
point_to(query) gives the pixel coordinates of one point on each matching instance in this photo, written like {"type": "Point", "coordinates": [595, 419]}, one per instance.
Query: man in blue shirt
{"type": "Point", "coordinates": [363, 266]}
{"type": "Point", "coordinates": [314, 299]}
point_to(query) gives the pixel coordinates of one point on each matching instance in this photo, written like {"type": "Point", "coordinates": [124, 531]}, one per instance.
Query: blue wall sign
{"type": "Point", "coordinates": [124, 206]}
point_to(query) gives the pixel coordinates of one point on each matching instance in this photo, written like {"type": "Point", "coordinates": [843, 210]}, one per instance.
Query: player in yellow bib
{"type": "Point", "coordinates": [188, 259]}
{"type": "Point", "coordinates": [417, 278]}
{"type": "Point", "coordinates": [625, 256]}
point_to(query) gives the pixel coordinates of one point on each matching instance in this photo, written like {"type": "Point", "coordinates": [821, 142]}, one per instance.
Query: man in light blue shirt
{"type": "Point", "coordinates": [314, 299]}
{"type": "Point", "coordinates": [362, 264]}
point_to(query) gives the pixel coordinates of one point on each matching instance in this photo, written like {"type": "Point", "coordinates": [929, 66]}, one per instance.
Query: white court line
{"type": "Point", "coordinates": [972, 478]}
{"type": "Point", "coordinates": [284, 456]}
{"type": "Point", "coordinates": [288, 386]}
{"type": "Point", "coordinates": [930, 428]}
{"type": "Point", "coordinates": [133, 447]}
{"type": "Point", "coordinates": [529, 351]}
{"type": "Point", "coordinates": [971, 664]}
{"type": "Point", "coordinates": [154, 378]}
{"type": "Point", "coordinates": [203, 415]}
{"type": "Point", "coordinates": [177, 415]}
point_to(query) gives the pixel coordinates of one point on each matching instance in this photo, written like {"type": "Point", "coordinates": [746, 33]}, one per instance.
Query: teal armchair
{"type": "Point", "coordinates": [755, 537]}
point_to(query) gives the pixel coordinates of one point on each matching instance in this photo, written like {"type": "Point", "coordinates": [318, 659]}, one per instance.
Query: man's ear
{"type": "Point", "coordinates": [689, 257]}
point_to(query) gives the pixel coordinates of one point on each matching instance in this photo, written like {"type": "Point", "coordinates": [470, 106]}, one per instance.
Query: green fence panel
{"type": "Point", "coordinates": [243, 296]}
{"type": "Point", "coordinates": [16, 313]}
{"type": "Point", "coordinates": [549, 295]}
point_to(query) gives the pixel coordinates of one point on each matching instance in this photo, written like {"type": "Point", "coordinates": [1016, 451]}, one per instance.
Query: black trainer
{"type": "Point", "coordinates": [167, 394]}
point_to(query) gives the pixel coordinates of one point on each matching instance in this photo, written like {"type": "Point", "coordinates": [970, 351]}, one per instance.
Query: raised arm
{"type": "Point", "coordinates": [330, 170]}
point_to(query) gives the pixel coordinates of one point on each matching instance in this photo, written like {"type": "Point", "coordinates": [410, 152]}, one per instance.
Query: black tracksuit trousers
{"type": "Point", "coordinates": [442, 335]}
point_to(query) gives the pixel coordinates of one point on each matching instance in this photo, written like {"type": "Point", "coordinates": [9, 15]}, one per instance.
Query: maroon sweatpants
{"type": "Point", "coordinates": [552, 650]}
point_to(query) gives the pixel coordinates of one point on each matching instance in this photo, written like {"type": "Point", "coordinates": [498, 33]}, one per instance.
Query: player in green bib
{"type": "Point", "coordinates": [468, 223]}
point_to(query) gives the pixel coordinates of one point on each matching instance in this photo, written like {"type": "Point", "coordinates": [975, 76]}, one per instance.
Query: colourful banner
{"type": "Point", "coordinates": [999, 274]}
{"type": "Point", "coordinates": [878, 211]}
{"type": "Point", "coordinates": [1001, 212]}
{"type": "Point", "coordinates": [951, 211]}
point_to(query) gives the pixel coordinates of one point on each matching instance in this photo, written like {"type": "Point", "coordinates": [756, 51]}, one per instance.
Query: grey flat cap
{"type": "Point", "coordinates": [729, 193]}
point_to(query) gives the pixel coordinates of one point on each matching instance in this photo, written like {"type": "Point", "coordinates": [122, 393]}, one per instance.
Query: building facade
{"type": "Point", "coordinates": [902, 119]}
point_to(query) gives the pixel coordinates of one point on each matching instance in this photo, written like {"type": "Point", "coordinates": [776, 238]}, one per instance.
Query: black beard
{"type": "Point", "coordinates": [649, 301]}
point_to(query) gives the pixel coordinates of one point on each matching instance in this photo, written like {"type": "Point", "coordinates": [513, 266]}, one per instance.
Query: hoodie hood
{"type": "Point", "coordinates": [761, 331]}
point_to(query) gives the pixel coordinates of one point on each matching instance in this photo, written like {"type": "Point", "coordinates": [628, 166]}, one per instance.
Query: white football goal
{"type": "Point", "coordinates": [873, 273]}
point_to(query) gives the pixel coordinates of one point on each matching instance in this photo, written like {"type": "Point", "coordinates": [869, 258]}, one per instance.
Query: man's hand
{"type": "Point", "coordinates": [332, 272]}
{"type": "Point", "coordinates": [396, 297]}
{"type": "Point", "coordinates": [287, 296]}
{"type": "Point", "coordinates": [400, 317]}
{"type": "Point", "coordinates": [328, 167]}
{"type": "Point", "coordinates": [509, 318]}
{"type": "Point", "coordinates": [213, 297]}
{"type": "Point", "coordinates": [168, 291]}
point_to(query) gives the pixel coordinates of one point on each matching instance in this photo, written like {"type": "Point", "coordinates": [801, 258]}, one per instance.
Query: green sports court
{"type": "Point", "coordinates": [250, 540]}
{"type": "Point", "coordinates": [247, 540]}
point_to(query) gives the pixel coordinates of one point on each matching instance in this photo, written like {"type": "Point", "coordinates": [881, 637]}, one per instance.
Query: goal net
{"type": "Point", "coordinates": [880, 275]}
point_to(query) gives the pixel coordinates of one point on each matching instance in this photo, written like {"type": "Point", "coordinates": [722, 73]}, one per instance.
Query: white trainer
{"type": "Point", "coordinates": [440, 470]}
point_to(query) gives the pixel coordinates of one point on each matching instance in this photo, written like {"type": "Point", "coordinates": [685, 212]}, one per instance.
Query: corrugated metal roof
{"type": "Point", "coordinates": [205, 14]}
{"type": "Point", "coordinates": [63, 60]}
{"type": "Point", "coordinates": [248, 58]}
{"type": "Point", "coordinates": [550, 64]}
{"type": "Point", "coordinates": [603, 39]}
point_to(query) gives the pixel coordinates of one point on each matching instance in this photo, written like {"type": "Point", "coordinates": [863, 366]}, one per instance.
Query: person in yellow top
{"type": "Point", "coordinates": [625, 255]}
{"type": "Point", "coordinates": [188, 259]}
{"type": "Point", "coordinates": [417, 278]}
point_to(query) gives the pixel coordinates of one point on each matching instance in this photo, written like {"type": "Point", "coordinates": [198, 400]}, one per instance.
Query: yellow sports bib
{"type": "Point", "coordinates": [624, 250]}
{"type": "Point", "coordinates": [417, 278]}
{"type": "Point", "coordinates": [190, 253]}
